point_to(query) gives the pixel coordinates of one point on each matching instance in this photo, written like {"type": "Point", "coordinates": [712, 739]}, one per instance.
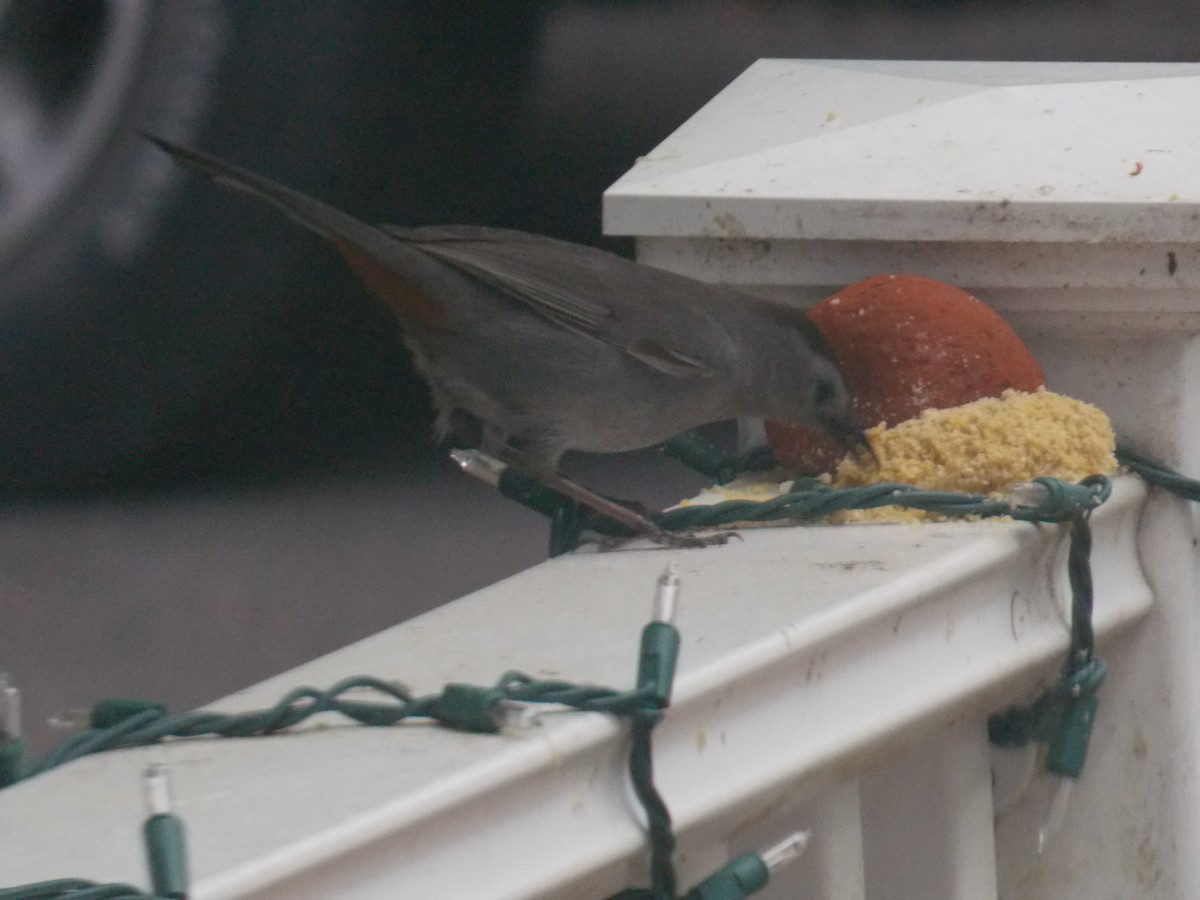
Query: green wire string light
{"type": "Point", "coordinates": [1061, 717]}
{"type": "Point", "coordinates": [74, 889]}
{"type": "Point", "coordinates": [465, 707]}
{"type": "Point", "coordinates": [162, 833]}
{"type": "Point", "coordinates": [166, 857]}
{"type": "Point", "coordinates": [1159, 475]}
{"type": "Point", "coordinates": [1043, 500]}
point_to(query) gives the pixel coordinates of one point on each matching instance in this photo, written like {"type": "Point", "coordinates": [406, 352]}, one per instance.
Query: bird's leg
{"type": "Point", "coordinates": [635, 522]}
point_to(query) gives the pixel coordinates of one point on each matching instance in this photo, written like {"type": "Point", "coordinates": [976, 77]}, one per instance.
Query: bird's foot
{"type": "Point", "coordinates": [635, 506]}
{"type": "Point", "coordinates": [685, 541]}
{"type": "Point", "coordinates": [674, 539]}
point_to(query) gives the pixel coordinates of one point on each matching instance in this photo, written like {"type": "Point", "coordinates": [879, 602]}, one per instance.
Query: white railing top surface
{"type": "Point", "coordinates": [808, 653]}
{"type": "Point", "coordinates": [916, 150]}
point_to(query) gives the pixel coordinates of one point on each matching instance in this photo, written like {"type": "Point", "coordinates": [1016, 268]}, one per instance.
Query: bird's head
{"type": "Point", "coordinates": [829, 406]}
{"type": "Point", "coordinates": [808, 388]}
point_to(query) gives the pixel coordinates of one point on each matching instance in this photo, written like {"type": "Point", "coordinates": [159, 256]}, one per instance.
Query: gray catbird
{"type": "Point", "coordinates": [534, 346]}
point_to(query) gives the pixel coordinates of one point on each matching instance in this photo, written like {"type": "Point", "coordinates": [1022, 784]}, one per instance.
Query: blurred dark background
{"type": "Point", "coordinates": [215, 459]}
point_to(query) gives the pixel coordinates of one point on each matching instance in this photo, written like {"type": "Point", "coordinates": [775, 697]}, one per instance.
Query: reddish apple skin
{"type": "Point", "coordinates": [905, 344]}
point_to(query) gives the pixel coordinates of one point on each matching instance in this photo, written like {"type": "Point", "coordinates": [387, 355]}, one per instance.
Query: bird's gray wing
{"type": "Point", "coordinates": [586, 290]}
{"type": "Point", "coordinates": [652, 316]}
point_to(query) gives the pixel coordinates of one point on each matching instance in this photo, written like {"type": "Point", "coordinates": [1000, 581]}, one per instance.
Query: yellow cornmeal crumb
{"type": "Point", "coordinates": [755, 486]}
{"type": "Point", "coordinates": [983, 447]}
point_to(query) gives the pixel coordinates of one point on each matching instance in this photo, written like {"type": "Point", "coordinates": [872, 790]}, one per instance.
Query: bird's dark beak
{"type": "Point", "coordinates": [850, 435]}
{"type": "Point", "coordinates": [863, 446]}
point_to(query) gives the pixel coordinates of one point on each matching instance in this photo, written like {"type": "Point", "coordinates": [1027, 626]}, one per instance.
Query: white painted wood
{"type": "Point", "coordinates": [832, 867]}
{"type": "Point", "coordinates": [928, 821]}
{"type": "Point", "coordinates": [809, 654]}
{"type": "Point", "coordinates": [1015, 181]}
{"type": "Point", "coordinates": [821, 150]}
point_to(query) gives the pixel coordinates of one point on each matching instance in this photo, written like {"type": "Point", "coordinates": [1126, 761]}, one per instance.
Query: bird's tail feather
{"type": "Point", "coordinates": [370, 252]}
{"type": "Point", "coordinates": [320, 217]}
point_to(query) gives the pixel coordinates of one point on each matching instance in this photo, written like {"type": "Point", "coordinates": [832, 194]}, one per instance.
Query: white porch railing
{"type": "Point", "coordinates": [832, 679]}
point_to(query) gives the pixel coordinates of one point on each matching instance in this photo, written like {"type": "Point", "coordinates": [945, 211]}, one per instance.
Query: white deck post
{"type": "Point", "coordinates": [928, 821]}
{"type": "Point", "coordinates": [1068, 197]}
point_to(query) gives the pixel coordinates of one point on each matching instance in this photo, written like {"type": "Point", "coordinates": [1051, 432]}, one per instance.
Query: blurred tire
{"type": "Point", "coordinates": [120, 327]}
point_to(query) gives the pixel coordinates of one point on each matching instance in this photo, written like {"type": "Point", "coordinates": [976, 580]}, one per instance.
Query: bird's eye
{"type": "Point", "coordinates": [824, 392]}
